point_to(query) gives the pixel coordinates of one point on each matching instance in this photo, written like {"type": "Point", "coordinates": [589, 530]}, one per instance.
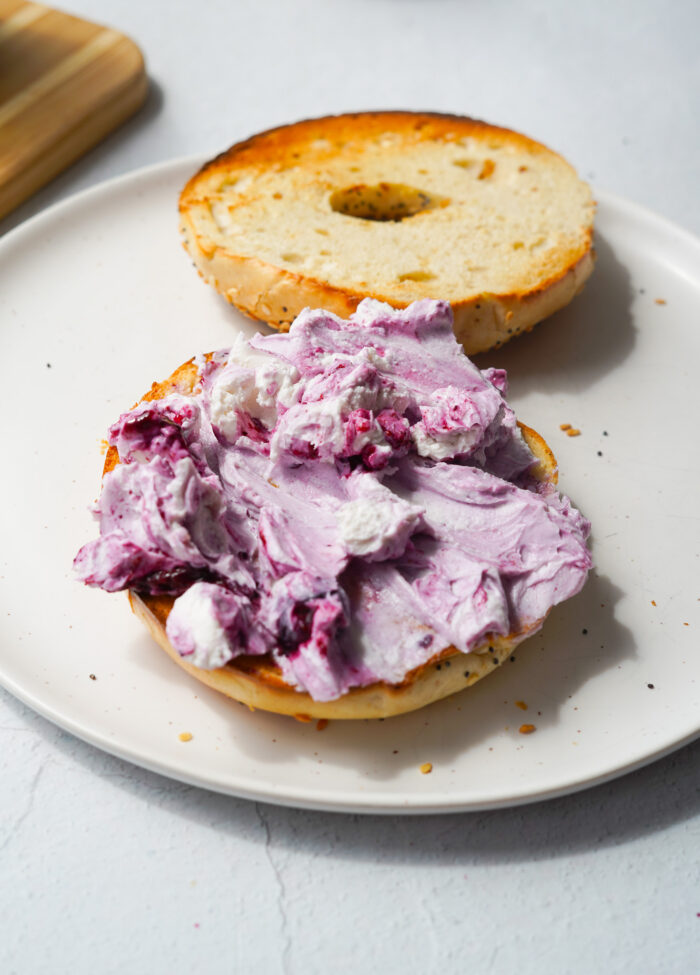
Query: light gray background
{"type": "Point", "coordinates": [107, 868]}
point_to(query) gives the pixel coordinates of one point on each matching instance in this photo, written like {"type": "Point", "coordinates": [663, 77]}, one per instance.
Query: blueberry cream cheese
{"type": "Point", "coordinates": [346, 501]}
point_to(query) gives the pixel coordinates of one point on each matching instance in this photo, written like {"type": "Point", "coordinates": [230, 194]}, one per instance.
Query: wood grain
{"type": "Point", "coordinates": [65, 83]}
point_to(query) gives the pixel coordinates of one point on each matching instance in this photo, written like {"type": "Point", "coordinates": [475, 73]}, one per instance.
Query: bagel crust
{"type": "Point", "coordinates": [311, 215]}
{"type": "Point", "coordinates": [257, 682]}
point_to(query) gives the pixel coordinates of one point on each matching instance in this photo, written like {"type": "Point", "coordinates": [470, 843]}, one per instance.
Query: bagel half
{"type": "Point", "coordinates": [396, 206]}
{"type": "Point", "coordinates": [257, 681]}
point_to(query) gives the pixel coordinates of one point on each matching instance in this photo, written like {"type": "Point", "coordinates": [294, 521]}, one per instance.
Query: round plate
{"type": "Point", "coordinates": [98, 300]}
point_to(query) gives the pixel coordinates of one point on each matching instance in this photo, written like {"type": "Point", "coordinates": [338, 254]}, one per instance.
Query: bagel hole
{"type": "Point", "coordinates": [383, 201]}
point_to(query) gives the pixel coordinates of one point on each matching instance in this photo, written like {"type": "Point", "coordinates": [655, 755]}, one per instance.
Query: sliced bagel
{"type": "Point", "coordinates": [257, 681]}
{"type": "Point", "coordinates": [395, 206]}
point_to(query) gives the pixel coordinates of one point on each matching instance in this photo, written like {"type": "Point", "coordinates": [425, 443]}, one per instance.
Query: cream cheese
{"type": "Point", "coordinates": [376, 524]}
{"type": "Point", "coordinates": [203, 624]}
{"type": "Point", "coordinates": [251, 385]}
{"type": "Point", "coordinates": [350, 497]}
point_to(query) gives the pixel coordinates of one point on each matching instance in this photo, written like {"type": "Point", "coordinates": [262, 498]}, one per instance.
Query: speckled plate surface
{"type": "Point", "coordinates": [97, 299]}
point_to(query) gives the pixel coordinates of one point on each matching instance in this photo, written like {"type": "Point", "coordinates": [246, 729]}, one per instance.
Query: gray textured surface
{"type": "Point", "coordinates": [110, 868]}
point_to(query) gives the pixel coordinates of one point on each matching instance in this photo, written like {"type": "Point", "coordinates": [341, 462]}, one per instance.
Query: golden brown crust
{"type": "Point", "coordinates": [269, 292]}
{"type": "Point", "coordinates": [257, 681]}
{"type": "Point", "coordinates": [280, 144]}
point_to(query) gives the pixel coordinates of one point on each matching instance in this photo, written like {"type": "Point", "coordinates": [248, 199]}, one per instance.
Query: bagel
{"type": "Point", "coordinates": [257, 680]}
{"type": "Point", "coordinates": [397, 206]}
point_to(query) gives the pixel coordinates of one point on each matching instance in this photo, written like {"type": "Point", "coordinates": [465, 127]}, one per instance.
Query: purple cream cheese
{"type": "Point", "coordinates": [350, 497]}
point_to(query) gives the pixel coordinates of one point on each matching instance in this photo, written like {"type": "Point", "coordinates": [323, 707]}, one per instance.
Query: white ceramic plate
{"type": "Point", "coordinates": [97, 299]}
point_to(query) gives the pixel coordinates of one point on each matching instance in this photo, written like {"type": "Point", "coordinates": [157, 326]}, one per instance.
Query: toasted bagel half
{"type": "Point", "coordinates": [395, 206]}
{"type": "Point", "coordinates": [257, 682]}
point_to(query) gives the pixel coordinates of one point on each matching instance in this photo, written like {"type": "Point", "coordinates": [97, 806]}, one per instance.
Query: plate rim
{"type": "Point", "coordinates": [344, 801]}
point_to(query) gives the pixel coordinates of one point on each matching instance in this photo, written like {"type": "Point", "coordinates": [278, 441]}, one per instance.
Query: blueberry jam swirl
{"type": "Point", "coordinates": [350, 497]}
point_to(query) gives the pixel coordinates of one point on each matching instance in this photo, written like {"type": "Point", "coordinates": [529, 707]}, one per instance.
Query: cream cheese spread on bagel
{"type": "Point", "coordinates": [348, 498]}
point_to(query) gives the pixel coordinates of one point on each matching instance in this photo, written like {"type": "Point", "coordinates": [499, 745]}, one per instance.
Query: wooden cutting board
{"type": "Point", "coordinates": [64, 84]}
